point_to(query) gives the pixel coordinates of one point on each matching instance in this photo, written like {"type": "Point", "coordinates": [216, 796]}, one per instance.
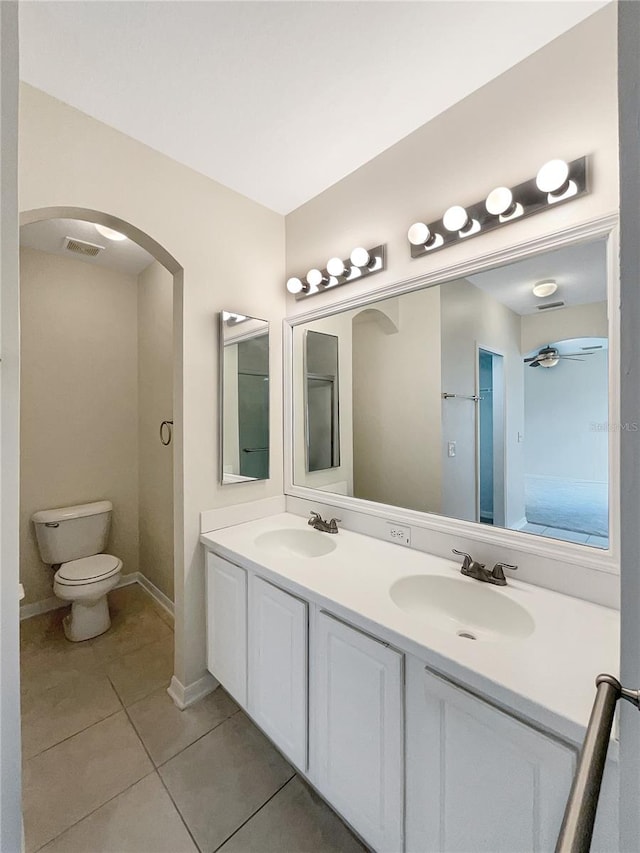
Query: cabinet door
{"type": "Point", "coordinates": [278, 667]}
{"type": "Point", "coordinates": [227, 626]}
{"type": "Point", "coordinates": [356, 730]}
{"type": "Point", "coordinates": [477, 779]}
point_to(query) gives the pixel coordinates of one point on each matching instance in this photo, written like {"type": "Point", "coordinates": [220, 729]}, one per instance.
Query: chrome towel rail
{"type": "Point", "coordinates": [473, 397]}
{"type": "Point", "coordinates": [580, 814]}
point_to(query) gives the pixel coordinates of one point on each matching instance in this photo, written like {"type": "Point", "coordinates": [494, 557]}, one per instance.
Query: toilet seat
{"type": "Point", "coordinates": [88, 570]}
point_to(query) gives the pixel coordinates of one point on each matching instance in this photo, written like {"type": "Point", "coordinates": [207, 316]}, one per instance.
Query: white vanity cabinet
{"type": "Point", "coordinates": [478, 779]}
{"type": "Point", "coordinates": [278, 652]}
{"type": "Point", "coordinates": [356, 729]}
{"type": "Point", "coordinates": [227, 626]}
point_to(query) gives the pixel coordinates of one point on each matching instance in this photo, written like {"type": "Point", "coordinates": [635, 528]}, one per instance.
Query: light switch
{"type": "Point", "coordinates": [451, 448]}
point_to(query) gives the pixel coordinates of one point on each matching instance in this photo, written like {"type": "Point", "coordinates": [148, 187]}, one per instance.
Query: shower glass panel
{"type": "Point", "coordinates": [322, 408]}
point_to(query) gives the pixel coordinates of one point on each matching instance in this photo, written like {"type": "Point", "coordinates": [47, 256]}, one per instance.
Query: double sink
{"type": "Point", "coordinates": [467, 608]}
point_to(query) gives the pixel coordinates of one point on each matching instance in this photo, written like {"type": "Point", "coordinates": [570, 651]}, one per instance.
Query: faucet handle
{"type": "Point", "coordinates": [505, 566]}
{"type": "Point", "coordinates": [498, 574]}
{"type": "Point", "coordinates": [468, 559]}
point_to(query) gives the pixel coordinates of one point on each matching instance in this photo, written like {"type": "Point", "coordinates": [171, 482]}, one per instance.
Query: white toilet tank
{"type": "Point", "coordinates": [72, 532]}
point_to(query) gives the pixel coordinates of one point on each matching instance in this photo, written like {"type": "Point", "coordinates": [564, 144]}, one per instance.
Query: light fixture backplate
{"type": "Point", "coordinates": [377, 263]}
{"type": "Point", "coordinates": [527, 194]}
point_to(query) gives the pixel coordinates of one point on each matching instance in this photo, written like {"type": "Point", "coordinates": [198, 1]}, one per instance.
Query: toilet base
{"type": "Point", "coordinates": [87, 619]}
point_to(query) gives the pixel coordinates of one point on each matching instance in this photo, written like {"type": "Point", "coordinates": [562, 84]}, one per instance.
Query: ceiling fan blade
{"type": "Point", "coordinates": [534, 363]}
{"type": "Point", "coordinates": [571, 358]}
{"type": "Point", "coordinates": [570, 354]}
{"type": "Point", "coordinates": [534, 358]}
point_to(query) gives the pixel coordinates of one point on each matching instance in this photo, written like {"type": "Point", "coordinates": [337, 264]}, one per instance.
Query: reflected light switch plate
{"type": "Point", "coordinates": [451, 448]}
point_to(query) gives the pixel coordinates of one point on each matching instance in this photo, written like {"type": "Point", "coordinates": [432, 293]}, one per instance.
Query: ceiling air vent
{"type": "Point", "coordinates": [81, 247]}
{"type": "Point", "coordinates": [550, 305]}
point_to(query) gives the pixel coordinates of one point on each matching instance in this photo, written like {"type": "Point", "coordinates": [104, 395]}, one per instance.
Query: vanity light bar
{"type": "Point", "coordinates": [556, 182]}
{"type": "Point", "coordinates": [361, 263]}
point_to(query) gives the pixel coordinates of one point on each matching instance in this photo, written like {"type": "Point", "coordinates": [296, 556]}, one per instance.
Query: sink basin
{"type": "Point", "coordinates": [470, 609]}
{"type": "Point", "coordinates": [296, 543]}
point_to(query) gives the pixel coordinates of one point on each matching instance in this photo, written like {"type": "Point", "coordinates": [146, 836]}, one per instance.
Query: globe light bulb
{"type": "Point", "coordinates": [456, 218]}
{"type": "Point", "coordinates": [500, 201]}
{"type": "Point", "coordinates": [295, 285]}
{"type": "Point", "coordinates": [336, 267]}
{"type": "Point", "coordinates": [109, 233]}
{"type": "Point", "coordinates": [315, 278]}
{"type": "Point", "coordinates": [360, 257]}
{"type": "Point", "coordinates": [419, 234]}
{"type": "Point", "coordinates": [553, 176]}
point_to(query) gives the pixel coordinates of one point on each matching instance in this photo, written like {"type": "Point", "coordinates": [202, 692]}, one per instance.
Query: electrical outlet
{"type": "Point", "coordinates": [451, 448]}
{"type": "Point", "coordinates": [399, 533]}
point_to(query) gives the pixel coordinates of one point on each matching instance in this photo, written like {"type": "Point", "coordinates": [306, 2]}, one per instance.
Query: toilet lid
{"type": "Point", "coordinates": [99, 567]}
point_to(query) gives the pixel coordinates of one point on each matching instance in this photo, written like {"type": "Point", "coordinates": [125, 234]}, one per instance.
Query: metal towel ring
{"type": "Point", "coordinates": [166, 432]}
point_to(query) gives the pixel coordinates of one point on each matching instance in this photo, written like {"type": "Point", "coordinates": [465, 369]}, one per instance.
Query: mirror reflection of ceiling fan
{"type": "Point", "coordinates": [550, 356]}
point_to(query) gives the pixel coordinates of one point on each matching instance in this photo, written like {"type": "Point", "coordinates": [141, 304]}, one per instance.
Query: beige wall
{"type": "Point", "coordinates": [155, 394]}
{"type": "Point", "coordinates": [79, 401]}
{"type": "Point", "coordinates": [68, 159]}
{"type": "Point", "coordinates": [396, 406]}
{"type": "Point", "coordinates": [470, 318]}
{"type": "Point", "coordinates": [560, 102]}
{"type": "Point", "coordinates": [574, 321]}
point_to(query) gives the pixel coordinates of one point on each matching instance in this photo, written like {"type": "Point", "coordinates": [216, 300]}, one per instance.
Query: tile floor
{"type": "Point", "coordinates": [567, 535]}
{"type": "Point", "coordinates": [110, 765]}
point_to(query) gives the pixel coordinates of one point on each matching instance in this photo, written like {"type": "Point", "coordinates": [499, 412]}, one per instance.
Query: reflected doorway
{"type": "Point", "coordinates": [490, 439]}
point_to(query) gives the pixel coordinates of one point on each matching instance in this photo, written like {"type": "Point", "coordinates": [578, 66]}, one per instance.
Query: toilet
{"type": "Point", "coordinates": [71, 540]}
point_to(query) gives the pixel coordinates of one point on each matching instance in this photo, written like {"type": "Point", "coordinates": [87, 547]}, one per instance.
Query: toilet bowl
{"type": "Point", "coordinates": [72, 540]}
{"type": "Point", "coordinates": [85, 583]}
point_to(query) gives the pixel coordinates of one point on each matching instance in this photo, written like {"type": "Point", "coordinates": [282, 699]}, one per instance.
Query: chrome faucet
{"type": "Point", "coordinates": [318, 523]}
{"type": "Point", "coordinates": [472, 569]}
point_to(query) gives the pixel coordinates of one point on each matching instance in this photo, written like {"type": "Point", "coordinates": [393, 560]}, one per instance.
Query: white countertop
{"type": "Point", "coordinates": [547, 677]}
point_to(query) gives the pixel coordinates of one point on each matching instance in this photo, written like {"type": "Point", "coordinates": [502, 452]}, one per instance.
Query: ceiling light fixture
{"type": "Point", "coordinates": [556, 181]}
{"type": "Point", "coordinates": [109, 233]}
{"type": "Point", "coordinates": [362, 262]}
{"type": "Point", "coordinates": [545, 288]}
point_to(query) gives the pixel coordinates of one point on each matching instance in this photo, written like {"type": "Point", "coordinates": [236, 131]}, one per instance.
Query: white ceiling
{"type": "Point", "coordinates": [277, 100]}
{"type": "Point", "coordinates": [579, 271]}
{"type": "Point", "coordinates": [123, 256]}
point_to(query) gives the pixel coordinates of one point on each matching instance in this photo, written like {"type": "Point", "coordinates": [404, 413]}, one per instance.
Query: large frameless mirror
{"type": "Point", "coordinates": [244, 383]}
{"type": "Point", "coordinates": [484, 398]}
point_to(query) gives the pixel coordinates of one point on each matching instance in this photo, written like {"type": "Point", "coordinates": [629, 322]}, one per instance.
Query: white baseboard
{"type": "Point", "coordinates": [163, 600]}
{"type": "Point", "coordinates": [54, 603]}
{"type": "Point", "coordinates": [185, 696]}
{"type": "Point", "coordinates": [43, 606]}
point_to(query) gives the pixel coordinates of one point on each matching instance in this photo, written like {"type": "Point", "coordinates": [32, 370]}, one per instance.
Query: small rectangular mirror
{"type": "Point", "coordinates": [322, 419]}
{"type": "Point", "coordinates": [244, 398]}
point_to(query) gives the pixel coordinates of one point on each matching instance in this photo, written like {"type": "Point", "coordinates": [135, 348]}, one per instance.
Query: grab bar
{"type": "Point", "coordinates": [580, 813]}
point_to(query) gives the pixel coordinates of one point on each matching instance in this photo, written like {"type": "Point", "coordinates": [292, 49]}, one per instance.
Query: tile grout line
{"type": "Point", "coordinates": [251, 817]}
{"type": "Point", "coordinates": [199, 738]}
{"type": "Point", "coordinates": [162, 782]}
{"type": "Point", "coordinates": [79, 732]}
{"type": "Point", "coordinates": [93, 811]}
